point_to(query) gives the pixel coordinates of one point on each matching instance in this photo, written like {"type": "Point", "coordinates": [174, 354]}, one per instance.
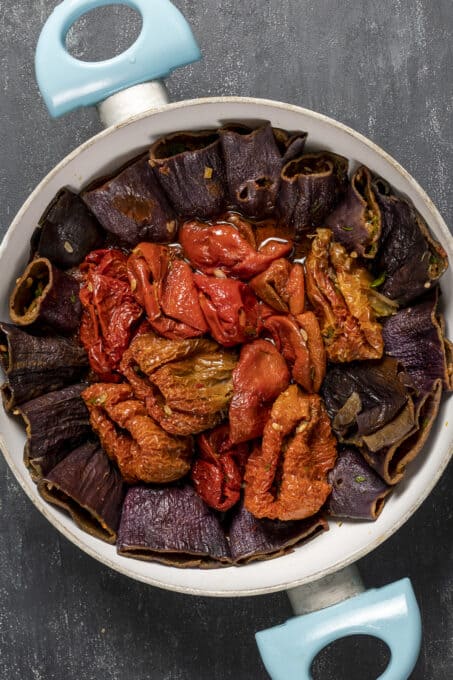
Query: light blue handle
{"type": "Point", "coordinates": [165, 42]}
{"type": "Point", "coordinates": [390, 613]}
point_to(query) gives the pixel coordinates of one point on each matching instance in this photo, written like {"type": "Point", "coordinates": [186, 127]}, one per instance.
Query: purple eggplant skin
{"type": "Point", "coordinates": [390, 462]}
{"type": "Point", "coordinates": [263, 539]}
{"type": "Point", "coordinates": [46, 297]}
{"type": "Point", "coordinates": [36, 364]}
{"type": "Point", "coordinates": [356, 221]}
{"type": "Point", "coordinates": [357, 491]}
{"type": "Point", "coordinates": [90, 488]}
{"type": "Point", "coordinates": [189, 167]}
{"type": "Point", "coordinates": [68, 231]}
{"type": "Point", "coordinates": [290, 144]}
{"type": "Point", "coordinates": [55, 424]}
{"type": "Point", "coordinates": [132, 206]}
{"type": "Point", "coordinates": [171, 525]}
{"type": "Point", "coordinates": [311, 187]}
{"type": "Point", "coordinates": [409, 260]}
{"type": "Point", "coordinates": [381, 392]}
{"type": "Point", "coordinates": [415, 336]}
{"type": "Point", "coordinates": [253, 163]}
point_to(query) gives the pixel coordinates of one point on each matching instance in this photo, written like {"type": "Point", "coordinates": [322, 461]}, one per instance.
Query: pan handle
{"type": "Point", "coordinates": [390, 613]}
{"type": "Point", "coordinates": [165, 42]}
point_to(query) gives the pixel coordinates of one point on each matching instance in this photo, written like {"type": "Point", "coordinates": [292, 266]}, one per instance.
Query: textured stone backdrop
{"type": "Point", "coordinates": [385, 68]}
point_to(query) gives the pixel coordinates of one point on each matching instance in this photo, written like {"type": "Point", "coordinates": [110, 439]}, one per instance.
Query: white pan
{"type": "Point", "coordinates": [317, 574]}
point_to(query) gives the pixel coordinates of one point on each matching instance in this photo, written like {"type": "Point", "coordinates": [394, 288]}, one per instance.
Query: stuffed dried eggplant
{"type": "Point", "coordinates": [415, 334]}
{"type": "Point", "coordinates": [87, 485]}
{"type": "Point", "coordinates": [356, 221]}
{"type": "Point", "coordinates": [286, 478]}
{"type": "Point", "coordinates": [300, 341]}
{"type": "Point", "coordinates": [357, 491]}
{"type": "Point", "coordinates": [410, 260]}
{"type": "Point", "coordinates": [375, 406]}
{"type": "Point", "coordinates": [339, 290]}
{"type": "Point", "coordinates": [36, 364]}
{"type": "Point", "coordinates": [132, 206]}
{"type": "Point", "coordinates": [253, 162]}
{"type": "Point", "coordinates": [173, 526]}
{"type": "Point", "coordinates": [220, 250]}
{"type": "Point", "coordinates": [263, 539]}
{"type": "Point", "coordinates": [259, 377]}
{"type": "Point", "coordinates": [142, 450]}
{"type": "Point", "coordinates": [163, 284]}
{"type": "Point", "coordinates": [290, 144]}
{"type": "Point", "coordinates": [362, 397]}
{"type": "Point", "coordinates": [68, 231]}
{"type": "Point", "coordinates": [45, 297]}
{"type": "Point", "coordinates": [281, 286]}
{"type": "Point", "coordinates": [55, 424]}
{"type": "Point", "coordinates": [391, 460]}
{"type": "Point", "coordinates": [218, 468]}
{"type": "Point", "coordinates": [311, 187]}
{"type": "Point", "coordinates": [190, 168]}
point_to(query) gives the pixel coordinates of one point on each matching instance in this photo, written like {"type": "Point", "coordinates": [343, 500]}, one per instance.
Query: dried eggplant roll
{"type": "Point", "coordinates": [311, 187]}
{"type": "Point", "coordinates": [374, 406]}
{"type": "Point", "coordinates": [190, 169]}
{"type": "Point", "coordinates": [132, 206]}
{"type": "Point", "coordinates": [391, 460]}
{"type": "Point", "coordinates": [254, 539]}
{"type": "Point", "coordinates": [35, 364]}
{"type": "Point", "coordinates": [68, 231]}
{"type": "Point", "coordinates": [357, 491]}
{"type": "Point", "coordinates": [356, 221]}
{"type": "Point", "coordinates": [87, 485]}
{"type": "Point", "coordinates": [290, 144]}
{"type": "Point", "coordinates": [56, 423]}
{"type": "Point", "coordinates": [253, 163]}
{"type": "Point", "coordinates": [171, 525]}
{"type": "Point", "coordinates": [362, 397]}
{"type": "Point", "coordinates": [47, 298]}
{"type": "Point", "coordinates": [415, 336]}
{"type": "Point", "coordinates": [410, 260]}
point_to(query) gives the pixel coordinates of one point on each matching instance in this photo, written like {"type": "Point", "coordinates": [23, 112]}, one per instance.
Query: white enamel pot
{"type": "Point", "coordinates": [318, 574]}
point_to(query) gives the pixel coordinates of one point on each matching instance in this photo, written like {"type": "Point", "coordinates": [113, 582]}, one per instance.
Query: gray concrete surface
{"type": "Point", "coordinates": [385, 68]}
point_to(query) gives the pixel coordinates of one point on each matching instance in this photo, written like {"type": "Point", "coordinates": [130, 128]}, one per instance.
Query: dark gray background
{"type": "Point", "coordinates": [385, 68]}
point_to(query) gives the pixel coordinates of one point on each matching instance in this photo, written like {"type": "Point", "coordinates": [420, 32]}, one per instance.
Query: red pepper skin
{"type": "Point", "coordinates": [260, 376]}
{"type": "Point", "coordinates": [108, 262]}
{"type": "Point", "coordinates": [218, 471]}
{"type": "Point", "coordinates": [110, 311]}
{"type": "Point", "coordinates": [220, 247]}
{"type": "Point", "coordinates": [231, 309]}
{"type": "Point", "coordinates": [300, 341]}
{"type": "Point", "coordinates": [164, 286]}
{"type": "Point", "coordinates": [281, 286]}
